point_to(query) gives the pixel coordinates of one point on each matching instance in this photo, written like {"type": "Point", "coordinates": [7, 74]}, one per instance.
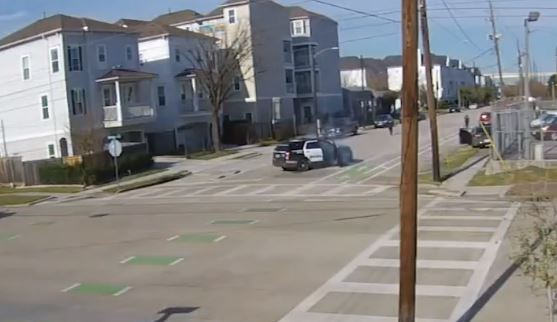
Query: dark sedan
{"type": "Point", "coordinates": [384, 121]}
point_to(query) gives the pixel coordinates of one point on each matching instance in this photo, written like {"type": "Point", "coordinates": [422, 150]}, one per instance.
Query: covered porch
{"type": "Point", "coordinates": [127, 97]}
{"type": "Point", "coordinates": [193, 100]}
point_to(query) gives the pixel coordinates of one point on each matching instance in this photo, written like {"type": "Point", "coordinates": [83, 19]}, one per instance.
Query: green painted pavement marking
{"type": "Point", "coordinates": [8, 236]}
{"type": "Point", "coordinates": [233, 222]}
{"type": "Point", "coordinates": [197, 238]}
{"type": "Point", "coordinates": [153, 260]}
{"type": "Point", "coordinates": [97, 289]}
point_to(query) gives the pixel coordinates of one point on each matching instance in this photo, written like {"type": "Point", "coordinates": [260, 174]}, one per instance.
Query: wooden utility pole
{"type": "Point", "coordinates": [409, 162]}
{"type": "Point", "coordinates": [520, 89]}
{"type": "Point", "coordinates": [431, 103]}
{"type": "Point", "coordinates": [495, 38]}
{"type": "Point", "coordinates": [362, 95]}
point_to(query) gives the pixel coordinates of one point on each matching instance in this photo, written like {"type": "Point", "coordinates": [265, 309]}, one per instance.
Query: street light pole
{"type": "Point", "coordinates": [314, 88]}
{"type": "Point", "coordinates": [524, 147]}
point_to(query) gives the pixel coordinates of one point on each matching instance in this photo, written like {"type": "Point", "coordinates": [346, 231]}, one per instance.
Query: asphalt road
{"type": "Point", "coordinates": [245, 242]}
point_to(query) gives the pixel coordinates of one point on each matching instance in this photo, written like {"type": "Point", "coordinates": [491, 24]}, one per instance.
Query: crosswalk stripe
{"type": "Point", "coordinates": [225, 192]}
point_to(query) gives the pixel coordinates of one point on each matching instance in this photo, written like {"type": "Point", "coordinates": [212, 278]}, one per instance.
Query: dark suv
{"type": "Point", "coordinates": [305, 154]}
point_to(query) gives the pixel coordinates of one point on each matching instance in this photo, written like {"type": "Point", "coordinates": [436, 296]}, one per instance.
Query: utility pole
{"type": "Point", "coordinates": [520, 88]}
{"type": "Point", "coordinates": [409, 162]}
{"type": "Point", "coordinates": [431, 103]}
{"type": "Point", "coordinates": [496, 37]}
{"type": "Point", "coordinates": [362, 102]}
{"type": "Point", "coordinates": [6, 155]}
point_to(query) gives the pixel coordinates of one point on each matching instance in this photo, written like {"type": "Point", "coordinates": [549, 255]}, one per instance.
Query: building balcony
{"type": "Point", "coordinates": [133, 114]}
{"type": "Point", "coordinates": [128, 97]}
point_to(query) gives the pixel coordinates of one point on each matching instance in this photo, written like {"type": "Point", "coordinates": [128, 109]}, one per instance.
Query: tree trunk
{"type": "Point", "coordinates": [215, 132]}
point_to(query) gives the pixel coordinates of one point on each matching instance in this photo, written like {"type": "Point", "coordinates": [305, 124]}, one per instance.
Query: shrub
{"type": "Point", "coordinates": [94, 172]}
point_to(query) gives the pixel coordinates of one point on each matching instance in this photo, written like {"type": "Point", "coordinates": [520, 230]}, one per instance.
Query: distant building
{"type": "Point", "coordinates": [449, 75]}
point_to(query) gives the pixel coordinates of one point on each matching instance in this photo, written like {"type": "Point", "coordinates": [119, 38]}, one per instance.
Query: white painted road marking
{"type": "Point", "coordinates": [466, 294]}
{"type": "Point", "coordinates": [122, 291]}
{"type": "Point", "coordinates": [67, 289]}
{"type": "Point", "coordinates": [127, 260]}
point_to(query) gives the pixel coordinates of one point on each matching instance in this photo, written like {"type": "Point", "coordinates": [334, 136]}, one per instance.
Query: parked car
{"type": "Point", "coordinates": [479, 137]}
{"type": "Point", "coordinates": [304, 154]}
{"type": "Point", "coordinates": [383, 121]}
{"type": "Point", "coordinates": [421, 116]}
{"type": "Point", "coordinates": [543, 120]}
{"type": "Point", "coordinates": [549, 131]}
{"type": "Point", "coordinates": [485, 118]}
{"type": "Point", "coordinates": [454, 109]}
{"type": "Point", "coordinates": [340, 127]}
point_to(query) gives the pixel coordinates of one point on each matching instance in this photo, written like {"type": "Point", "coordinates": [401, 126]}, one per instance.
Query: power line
{"type": "Point", "coordinates": [459, 26]}
{"type": "Point", "coordinates": [369, 37]}
{"type": "Point", "coordinates": [357, 11]}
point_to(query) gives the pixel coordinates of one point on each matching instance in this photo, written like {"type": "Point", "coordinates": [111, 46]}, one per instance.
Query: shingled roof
{"type": "Point", "coordinates": [299, 12]}
{"type": "Point", "coordinates": [151, 29]}
{"type": "Point", "coordinates": [178, 17]}
{"type": "Point", "coordinates": [125, 22]}
{"type": "Point", "coordinates": [59, 23]}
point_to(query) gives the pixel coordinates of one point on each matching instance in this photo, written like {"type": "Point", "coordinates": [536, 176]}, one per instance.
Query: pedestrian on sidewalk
{"type": "Point", "coordinates": [466, 121]}
{"type": "Point", "coordinates": [390, 127]}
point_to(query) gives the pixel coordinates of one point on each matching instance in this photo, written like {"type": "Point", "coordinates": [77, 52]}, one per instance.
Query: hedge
{"type": "Point", "coordinates": [84, 174]}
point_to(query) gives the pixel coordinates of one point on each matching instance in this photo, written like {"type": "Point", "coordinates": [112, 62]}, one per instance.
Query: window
{"type": "Point", "coordinates": [231, 16]}
{"type": "Point", "coordinates": [237, 83]}
{"type": "Point", "coordinates": [302, 56]}
{"type": "Point", "coordinates": [248, 116]}
{"type": "Point", "coordinates": [129, 53]}
{"type": "Point", "coordinates": [64, 147]}
{"type": "Point", "coordinates": [287, 51]}
{"type": "Point", "coordinates": [128, 93]}
{"type": "Point", "coordinates": [177, 55]}
{"type": "Point", "coordinates": [75, 58]}
{"type": "Point", "coordinates": [312, 145]}
{"type": "Point", "coordinates": [54, 60]}
{"type": "Point", "coordinates": [108, 96]}
{"type": "Point", "coordinates": [289, 81]}
{"type": "Point", "coordinates": [44, 107]}
{"type": "Point", "coordinates": [308, 114]}
{"type": "Point", "coordinates": [79, 106]}
{"type": "Point", "coordinates": [161, 96]}
{"type": "Point", "coordinates": [51, 149]}
{"type": "Point", "coordinates": [276, 108]}
{"type": "Point", "coordinates": [300, 27]}
{"type": "Point", "coordinates": [101, 54]}
{"type": "Point", "coordinates": [25, 67]}
{"type": "Point", "coordinates": [303, 82]}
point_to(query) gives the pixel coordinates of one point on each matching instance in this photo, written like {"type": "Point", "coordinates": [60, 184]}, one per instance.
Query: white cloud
{"type": "Point", "coordinates": [12, 16]}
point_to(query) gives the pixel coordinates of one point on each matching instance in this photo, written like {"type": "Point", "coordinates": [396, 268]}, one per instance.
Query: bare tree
{"type": "Point", "coordinates": [217, 65]}
{"type": "Point", "coordinates": [537, 248]}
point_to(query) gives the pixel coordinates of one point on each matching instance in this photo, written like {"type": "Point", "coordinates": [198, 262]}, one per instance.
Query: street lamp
{"type": "Point", "coordinates": [533, 16]}
{"type": "Point", "coordinates": [314, 89]}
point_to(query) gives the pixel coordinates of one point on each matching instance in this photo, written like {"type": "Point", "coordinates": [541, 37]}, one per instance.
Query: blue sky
{"type": "Point", "coordinates": [446, 37]}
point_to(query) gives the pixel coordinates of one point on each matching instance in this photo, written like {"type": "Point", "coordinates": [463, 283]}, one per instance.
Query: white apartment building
{"type": "Point", "coordinates": [277, 89]}
{"type": "Point", "coordinates": [449, 75]}
{"type": "Point", "coordinates": [184, 118]}
{"type": "Point", "coordinates": [63, 76]}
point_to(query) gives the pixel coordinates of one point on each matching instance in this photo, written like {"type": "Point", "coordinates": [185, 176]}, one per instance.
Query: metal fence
{"type": "Point", "coordinates": [519, 137]}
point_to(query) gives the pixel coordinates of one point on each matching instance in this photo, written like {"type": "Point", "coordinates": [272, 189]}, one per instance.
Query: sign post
{"type": "Point", "coordinates": [115, 150]}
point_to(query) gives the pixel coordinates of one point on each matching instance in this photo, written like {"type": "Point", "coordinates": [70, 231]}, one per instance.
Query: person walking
{"type": "Point", "coordinates": [390, 127]}
{"type": "Point", "coordinates": [466, 121]}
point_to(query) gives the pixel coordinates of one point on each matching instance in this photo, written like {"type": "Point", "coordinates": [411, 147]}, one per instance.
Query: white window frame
{"type": "Point", "coordinates": [53, 61]}
{"type": "Point", "coordinates": [79, 58]}
{"type": "Point", "coordinates": [237, 84]}
{"type": "Point", "coordinates": [110, 98]}
{"type": "Point", "coordinates": [28, 68]}
{"type": "Point", "coordinates": [47, 107]}
{"type": "Point", "coordinates": [232, 18]}
{"type": "Point", "coordinates": [79, 98]}
{"type": "Point", "coordinates": [129, 53]}
{"type": "Point", "coordinates": [48, 155]}
{"type": "Point", "coordinates": [104, 53]}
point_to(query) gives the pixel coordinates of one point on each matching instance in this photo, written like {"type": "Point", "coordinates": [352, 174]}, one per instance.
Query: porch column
{"type": "Point", "coordinates": [195, 97]}
{"type": "Point", "coordinates": [118, 101]}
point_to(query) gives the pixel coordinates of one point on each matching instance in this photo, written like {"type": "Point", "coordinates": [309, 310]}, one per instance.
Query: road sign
{"type": "Point", "coordinates": [115, 148]}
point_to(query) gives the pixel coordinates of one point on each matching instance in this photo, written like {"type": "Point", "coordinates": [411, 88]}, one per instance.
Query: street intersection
{"type": "Point", "coordinates": [241, 241]}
